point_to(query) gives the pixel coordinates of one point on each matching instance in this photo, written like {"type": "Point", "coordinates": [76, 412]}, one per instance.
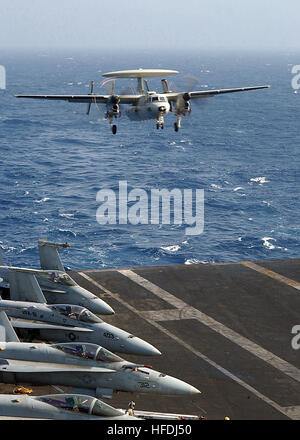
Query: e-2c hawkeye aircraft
{"type": "Point", "coordinates": [87, 368]}
{"type": "Point", "coordinates": [57, 286]}
{"type": "Point", "coordinates": [65, 322]}
{"type": "Point", "coordinates": [145, 104]}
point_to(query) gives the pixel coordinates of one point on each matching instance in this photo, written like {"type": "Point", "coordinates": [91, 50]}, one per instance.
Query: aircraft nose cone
{"type": "Point", "coordinates": [178, 387]}
{"type": "Point", "coordinates": [91, 301]}
{"type": "Point", "coordinates": [100, 307]}
{"type": "Point", "coordinates": [139, 347]}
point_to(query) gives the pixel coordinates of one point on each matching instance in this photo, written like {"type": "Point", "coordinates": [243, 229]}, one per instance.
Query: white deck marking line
{"type": "Point", "coordinates": [255, 349]}
{"type": "Point", "coordinates": [271, 274]}
{"type": "Point", "coordinates": [196, 352]}
{"type": "Point", "coordinates": [293, 412]}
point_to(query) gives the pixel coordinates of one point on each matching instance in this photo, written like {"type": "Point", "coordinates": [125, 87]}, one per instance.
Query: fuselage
{"type": "Point", "coordinates": [58, 287]}
{"type": "Point", "coordinates": [94, 329]}
{"type": "Point", "coordinates": [58, 407]}
{"type": "Point", "coordinates": [122, 375]}
{"type": "Point", "coordinates": [150, 106]}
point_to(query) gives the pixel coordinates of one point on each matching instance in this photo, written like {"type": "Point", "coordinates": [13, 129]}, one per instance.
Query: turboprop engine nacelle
{"type": "Point", "coordinates": [113, 105]}
{"type": "Point", "coordinates": [182, 103]}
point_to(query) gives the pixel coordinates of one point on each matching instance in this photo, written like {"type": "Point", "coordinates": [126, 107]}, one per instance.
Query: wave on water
{"type": "Point", "coordinates": [240, 149]}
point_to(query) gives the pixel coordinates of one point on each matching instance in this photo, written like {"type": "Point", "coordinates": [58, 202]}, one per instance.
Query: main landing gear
{"type": "Point", "coordinates": [113, 127]}
{"type": "Point", "coordinates": [177, 124]}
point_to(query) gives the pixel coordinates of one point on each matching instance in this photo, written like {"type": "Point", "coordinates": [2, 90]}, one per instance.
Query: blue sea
{"type": "Point", "coordinates": [242, 149]}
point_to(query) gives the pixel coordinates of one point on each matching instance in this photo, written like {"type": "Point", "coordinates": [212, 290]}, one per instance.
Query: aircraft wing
{"type": "Point", "coordinates": [208, 93]}
{"type": "Point", "coordinates": [49, 256]}
{"type": "Point", "coordinates": [99, 99]}
{"type": "Point", "coordinates": [71, 98]}
{"type": "Point", "coordinates": [36, 325]}
{"type": "Point", "coordinates": [41, 367]}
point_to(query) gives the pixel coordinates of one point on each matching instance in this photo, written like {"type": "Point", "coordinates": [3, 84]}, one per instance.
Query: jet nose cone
{"type": "Point", "coordinates": [139, 347]}
{"type": "Point", "coordinates": [177, 386]}
{"type": "Point", "coordinates": [92, 302]}
{"type": "Point", "coordinates": [194, 390]}
{"type": "Point", "coordinates": [100, 307]}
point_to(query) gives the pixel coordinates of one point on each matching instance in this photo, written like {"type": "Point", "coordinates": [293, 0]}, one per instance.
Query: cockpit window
{"type": "Point", "coordinates": [86, 351]}
{"type": "Point", "coordinates": [58, 277]}
{"type": "Point", "coordinates": [154, 98]}
{"type": "Point", "coordinates": [104, 355]}
{"type": "Point", "coordinates": [66, 310]}
{"type": "Point", "coordinates": [162, 98]}
{"type": "Point", "coordinates": [69, 402]}
{"type": "Point", "coordinates": [75, 312]}
{"type": "Point", "coordinates": [102, 409]}
{"type": "Point", "coordinates": [88, 316]}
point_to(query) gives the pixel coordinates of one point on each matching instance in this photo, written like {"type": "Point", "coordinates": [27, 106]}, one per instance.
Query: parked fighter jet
{"type": "Point", "coordinates": [58, 287]}
{"type": "Point", "coordinates": [59, 407]}
{"type": "Point", "coordinates": [87, 368]}
{"type": "Point", "coordinates": [75, 323]}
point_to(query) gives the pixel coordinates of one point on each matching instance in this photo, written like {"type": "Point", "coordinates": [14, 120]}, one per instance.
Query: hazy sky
{"type": "Point", "coordinates": [151, 24]}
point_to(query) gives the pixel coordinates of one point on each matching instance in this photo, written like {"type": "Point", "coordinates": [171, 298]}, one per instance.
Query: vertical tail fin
{"type": "Point", "coordinates": [7, 333]}
{"type": "Point", "coordinates": [24, 287]}
{"type": "Point", "coordinates": [165, 86]}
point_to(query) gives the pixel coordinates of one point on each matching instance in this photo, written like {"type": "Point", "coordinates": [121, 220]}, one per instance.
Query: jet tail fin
{"type": "Point", "coordinates": [24, 287]}
{"type": "Point", "coordinates": [49, 257]}
{"type": "Point", "coordinates": [7, 333]}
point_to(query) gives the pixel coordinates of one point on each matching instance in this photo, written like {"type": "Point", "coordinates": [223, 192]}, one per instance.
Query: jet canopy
{"type": "Point", "coordinates": [88, 351]}
{"type": "Point", "coordinates": [58, 277]}
{"type": "Point", "coordinates": [80, 403]}
{"type": "Point", "coordinates": [75, 312]}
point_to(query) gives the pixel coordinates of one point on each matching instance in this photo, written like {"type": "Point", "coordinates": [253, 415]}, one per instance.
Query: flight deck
{"type": "Point", "coordinates": [225, 328]}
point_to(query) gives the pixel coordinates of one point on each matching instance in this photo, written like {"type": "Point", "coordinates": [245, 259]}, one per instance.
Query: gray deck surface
{"type": "Point", "coordinates": [224, 328]}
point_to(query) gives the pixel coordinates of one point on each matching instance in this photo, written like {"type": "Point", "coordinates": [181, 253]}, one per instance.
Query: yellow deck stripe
{"type": "Point", "coordinates": [271, 274]}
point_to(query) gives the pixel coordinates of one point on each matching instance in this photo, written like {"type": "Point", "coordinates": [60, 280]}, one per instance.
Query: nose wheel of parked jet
{"type": "Point", "coordinates": [176, 128]}
{"type": "Point", "coordinates": [114, 129]}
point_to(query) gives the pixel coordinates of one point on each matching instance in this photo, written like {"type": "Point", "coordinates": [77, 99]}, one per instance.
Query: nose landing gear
{"type": "Point", "coordinates": [160, 121]}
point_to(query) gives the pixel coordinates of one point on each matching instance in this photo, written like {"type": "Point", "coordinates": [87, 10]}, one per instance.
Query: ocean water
{"type": "Point", "coordinates": [242, 149]}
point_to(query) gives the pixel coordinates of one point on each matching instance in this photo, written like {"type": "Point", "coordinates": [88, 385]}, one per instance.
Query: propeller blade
{"type": "Point", "coordinates": [90, 93]}
{"type": "Point", "coordinates": [109, 85]}
{"type": "Point", "coordinates": [190, 82]}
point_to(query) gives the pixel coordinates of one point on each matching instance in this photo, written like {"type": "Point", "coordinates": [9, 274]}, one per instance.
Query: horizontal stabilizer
{"type": "Point", "coordinates": [24, 287]}
{"type": "Point", "coordinates": [7, 332]}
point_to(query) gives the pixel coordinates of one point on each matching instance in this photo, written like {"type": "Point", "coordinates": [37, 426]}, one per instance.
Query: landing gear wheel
{"type": "Point", "coordinates": [157, 126]}
{"type": "Point", "coordinates": [176, 128]}
{"type": "Point", "coordinates": [114, 129]}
